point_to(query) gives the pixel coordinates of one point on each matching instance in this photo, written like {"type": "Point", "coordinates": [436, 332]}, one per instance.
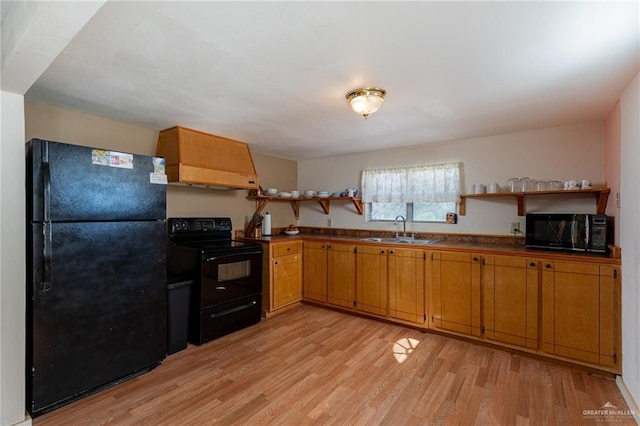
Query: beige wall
{"type": "Point", "coordinates": [569, 152]}
{"type": "Point", "coordinates": [562, 153]}
{"type": "Point", "coordinates": [52, 123]}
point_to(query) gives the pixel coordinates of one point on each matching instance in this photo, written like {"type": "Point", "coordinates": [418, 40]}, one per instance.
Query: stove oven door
{"type": "Point", "coordinates": [229, 296]}
{"type": "Point", "coordinates": [225, 318]}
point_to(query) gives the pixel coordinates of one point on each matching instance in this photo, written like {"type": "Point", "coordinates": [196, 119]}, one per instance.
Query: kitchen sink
{"type": "Point", "coordinates": [399, 240]}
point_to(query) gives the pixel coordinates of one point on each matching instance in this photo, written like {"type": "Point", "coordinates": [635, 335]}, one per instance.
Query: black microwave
{"type": "Point", "coordinates": [566, 231]}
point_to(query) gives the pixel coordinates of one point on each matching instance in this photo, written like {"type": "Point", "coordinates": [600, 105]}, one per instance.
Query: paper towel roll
{"type": "Point", "coordinates": [266, 224]}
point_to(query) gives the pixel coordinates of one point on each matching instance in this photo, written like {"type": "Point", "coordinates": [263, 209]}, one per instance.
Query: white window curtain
{"type": "Point", "coordinates": [439, 183]}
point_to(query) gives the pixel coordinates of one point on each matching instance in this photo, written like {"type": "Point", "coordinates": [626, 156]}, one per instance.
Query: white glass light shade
{"type": "Point", "coordinates": [366, 101]}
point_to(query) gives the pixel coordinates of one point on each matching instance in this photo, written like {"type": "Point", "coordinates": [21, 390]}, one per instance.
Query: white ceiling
{"type": "Point", "coordinates": [274, 74]}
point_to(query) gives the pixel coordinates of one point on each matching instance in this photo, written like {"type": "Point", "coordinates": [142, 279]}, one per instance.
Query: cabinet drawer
{"type": "Point", "coordinates": [373, 250]}
{"type": "Point", "coordinates": [455, 257]}
{"type": "Point", "coordinates": [508, 261]}
{"type": "Point", "coordinates": [572, 267]}
{"type": "Point", "coordinates": [286, 249]}
{"type": "Point", "coordinates": [316, 245]}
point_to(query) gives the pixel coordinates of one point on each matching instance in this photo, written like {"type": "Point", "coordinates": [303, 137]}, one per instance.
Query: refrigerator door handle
{"type": "Point", "coordinates": [46, 251]}
{"type": "Point", "coordinates": [46, 176]}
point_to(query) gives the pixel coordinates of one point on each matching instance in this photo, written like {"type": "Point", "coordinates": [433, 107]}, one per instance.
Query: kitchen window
{"type": "Point", "coordinates": [420, 193]}
{"type": "Point", "coordinates": [414, 212]}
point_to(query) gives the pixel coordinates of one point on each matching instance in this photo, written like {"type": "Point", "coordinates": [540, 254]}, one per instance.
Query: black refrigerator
{"type": "Point", "coordinates": [96, 270]}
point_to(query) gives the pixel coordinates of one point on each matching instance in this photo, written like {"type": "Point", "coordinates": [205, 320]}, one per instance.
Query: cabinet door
{"type": "Point", "coordinates": [286, 273]}
{"type": "Point", "coordinates": [579, 306]}
{"type": "Point", "coordinates": [371, 279]}
{"type": "Point", "coordinates": [455, 292]}
{"type": "Point", "coordinates": [315, 271]}
{"type": "Point", "coordinates": [341, 279]}
{"type": "Point", "coordinates": [287, 280]}
{"type": "Point", "coordinates": [510, 300]}
{"type": "Point", "coordinates": [406, 285]}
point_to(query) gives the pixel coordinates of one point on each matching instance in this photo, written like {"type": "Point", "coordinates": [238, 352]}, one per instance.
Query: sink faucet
{"type": "Point", "coordinates": [404, 225]}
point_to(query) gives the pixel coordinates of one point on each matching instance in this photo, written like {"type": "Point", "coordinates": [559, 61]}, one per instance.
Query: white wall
{"type": "Point", "coordinates": [12, 260]}
{"type": "Point", "coordinates": [630, 238]}
{"type": "Point", "coordinates": [562, 153]}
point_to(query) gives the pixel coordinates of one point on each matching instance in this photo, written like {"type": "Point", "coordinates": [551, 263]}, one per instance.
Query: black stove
{"type": "Point", "coordinates": [210, 235]}
{"type": "Point", "coordinates": [227, 275]}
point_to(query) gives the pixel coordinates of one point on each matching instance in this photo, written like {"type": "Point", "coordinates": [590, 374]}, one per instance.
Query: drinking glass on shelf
{"type": "Point", "coordinates": [513, 184]}
{"type": "Point", "coordinates": [524, 184]}
{"type": "Point", "coordinates": [555, 185]}
{"type": "Point", "coordinates": [542, 185]}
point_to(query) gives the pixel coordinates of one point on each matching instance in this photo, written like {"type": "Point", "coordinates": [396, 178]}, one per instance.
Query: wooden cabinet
{"type": "Point", "coordinates": [406, 285]}
{"type": "Point", "coordinates": [371, 279]}
{"type": "Point", "coordinates": [285, 275]}
{"type": "Point", "coordinates": [314, 283]}
{"type": "Point", "coordinates": [555, 307]}
{"type": "Point", "coordinates": [455, 292]}
{"type": "Point", "coordinates": [581, 311]}
{"type": "Point", "coordinates": [390, 282]}
{"type": "Point", "coordinates": [510, 300]}
{"type": "Point", "coordinates": [341, 274]}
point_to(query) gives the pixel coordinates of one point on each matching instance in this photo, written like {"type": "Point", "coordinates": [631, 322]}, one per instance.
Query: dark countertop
{"type": "Point", "coordinates": [450, 245]}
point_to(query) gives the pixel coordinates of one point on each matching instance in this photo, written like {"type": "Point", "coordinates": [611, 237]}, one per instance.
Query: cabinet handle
{"type": "Point", "coordinates": [475, 259]}
{"type": "Point", "coordinates": [276, 262]}
{"type": "Point", "coordinates": [381, 251]}
{"type": "Point", "coordinates": [532, 264]}
{"type": "Point", "coordinates": [323, 246]}
{"type": "Point", "coordinates": [390, 251]}
{"type": "Point", "coordinates": [548, 266]}
{"type": "Point", "coordinates": [288, 248]}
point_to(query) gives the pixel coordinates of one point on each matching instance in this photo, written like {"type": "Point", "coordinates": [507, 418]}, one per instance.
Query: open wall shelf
{"type": "Point", "coordinates": [601, 194]}
{"type": "Point", "coordinates": [325, 202]}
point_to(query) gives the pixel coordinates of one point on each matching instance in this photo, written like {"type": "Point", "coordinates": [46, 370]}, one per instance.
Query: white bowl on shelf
{"type": "Point", "coordinates": [271, 191]}
{"type": "Point", "coordinates": [285, 194]}
{"type": "Point", "coordinates": [309, 193]}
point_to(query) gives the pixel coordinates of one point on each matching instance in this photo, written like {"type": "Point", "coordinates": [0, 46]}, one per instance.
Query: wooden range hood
{"type": "Point", "coordinates": [196, 158]}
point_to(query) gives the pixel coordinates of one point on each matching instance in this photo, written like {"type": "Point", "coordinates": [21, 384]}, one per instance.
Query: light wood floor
{"type": "Point", "coordinates": [313, 366]}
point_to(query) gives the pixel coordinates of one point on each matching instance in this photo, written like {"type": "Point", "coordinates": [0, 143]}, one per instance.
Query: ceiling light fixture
{"type": "Point", "coordinates": [366, 100]}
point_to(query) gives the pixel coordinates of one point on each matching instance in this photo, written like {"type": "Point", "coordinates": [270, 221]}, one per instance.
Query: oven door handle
{"type": "Point", "coordinates": [229, 255]}
{"type": "Point", "coordinates": [232, 310]}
